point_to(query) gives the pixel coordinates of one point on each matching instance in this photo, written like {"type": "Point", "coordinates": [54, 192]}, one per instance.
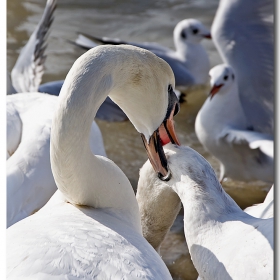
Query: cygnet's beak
{"type": "Point", "coordinates": [163, 135]}
{"type": "Point", "coordinates": [214, 90]}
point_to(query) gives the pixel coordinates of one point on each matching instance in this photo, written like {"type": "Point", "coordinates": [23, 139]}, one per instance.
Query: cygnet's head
{"type": "Point", "coordinates": [192, 175]}
{"type": "Point", "coordinates": [222, 78]}
{"type": "Point", "coordinates": [190, 31]}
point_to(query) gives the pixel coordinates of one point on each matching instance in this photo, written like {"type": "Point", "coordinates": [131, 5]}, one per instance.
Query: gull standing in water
{"type": "Point", "coordinates": [189, 62]}
{"type": "Point", "coordinates": [236, 123]}
{"type": "Point", "coordinates": [91, 227]}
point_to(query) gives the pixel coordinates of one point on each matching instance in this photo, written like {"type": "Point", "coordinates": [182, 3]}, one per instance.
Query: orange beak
{"type": "Point", "coordinates": [214, 90]}
{"type": "Point", "coordinates": [163, 135]}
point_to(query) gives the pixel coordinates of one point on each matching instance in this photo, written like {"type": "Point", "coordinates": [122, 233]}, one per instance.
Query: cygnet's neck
{"type": "Point", "coordinates": [206, 204]}
{"type": "Point", "coordinates": [83, 178]}
{"type": "Point", "coordinates": [159, 206]}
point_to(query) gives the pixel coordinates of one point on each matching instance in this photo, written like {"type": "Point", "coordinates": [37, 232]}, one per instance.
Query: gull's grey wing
{"type": "Point", "coordinates": [108, 111]}
{"type": "Point", "coordinates": [255, 140]}
{"type": "Point", "coordinates": [87, 41]}
{"type": "Point", "coordinates": [29, 68]}
{"type": "Point", "coordinates": [182, 75]}
{"type": "Point", "coordinates": [243, 33]}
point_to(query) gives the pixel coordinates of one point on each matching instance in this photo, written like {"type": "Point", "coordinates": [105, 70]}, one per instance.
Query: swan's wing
{"type": "Point", "coordinates": [14, 129]}
{"type": "Point", "coordinates": [255, 140]}
{"type": "Point", "coordinates": [243, 33]}
{"type": "Point", "coordinates": [65, 244]}
{"type": "Point", "coordinates": [87, 42]}
{"type": "Point", "coordinates": [30, 182]}
{"type": "Point", "coordinates": [29, 68]}
{"type": "Point", "coordinates": [263, 210]}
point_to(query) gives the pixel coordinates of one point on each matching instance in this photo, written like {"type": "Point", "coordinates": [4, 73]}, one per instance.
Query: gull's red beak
{"type": "Point", "coordinates": [207, 36]}
{"type": "Point", "coordinates": [214, 90]}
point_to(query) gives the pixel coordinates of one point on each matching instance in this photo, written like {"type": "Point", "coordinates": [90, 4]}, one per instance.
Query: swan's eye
{"type": "Point", "coordinates": [225, 77]}
{"type": "Point", "coordinates": [177, 109]}
{"type": "Point", "coordinates": [170, 89]}
{"type": "Point", "coordinates": [183, 35]}
{"type": "Point", "coordinates": [195, 31]}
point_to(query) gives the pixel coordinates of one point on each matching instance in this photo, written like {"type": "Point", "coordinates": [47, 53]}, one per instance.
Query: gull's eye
{"type": "Point", "coordinates": [225, 77]}
{"type": "Point", "coordinates": [183, 35]}
{"type": "Point", "coordinates": [195, 31]}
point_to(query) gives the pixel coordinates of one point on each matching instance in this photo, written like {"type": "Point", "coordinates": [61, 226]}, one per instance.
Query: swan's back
{"type": "Point", "coordinates": [79, 242]}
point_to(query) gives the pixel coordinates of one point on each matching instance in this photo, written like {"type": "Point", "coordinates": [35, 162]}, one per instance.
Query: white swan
{"type": "Point", "coordinates": [91, 227]}
{"type": "Point", "coordinates": [190, 62]}
{"type": "Point", "coordinates": [27, 73]}
{"type": "Point", "coordinates": [30, 183]}
{"type": "Point", "coordinates": [224, 242]}
{"type": "Point", "coordinates": [224, 130]}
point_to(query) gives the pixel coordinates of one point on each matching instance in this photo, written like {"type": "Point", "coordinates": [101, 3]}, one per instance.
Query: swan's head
{"type": "Point", "coordinates": [142, 85]}
{"type": "Point", "coordinates": [222, 78]}
{"type": "Point", "coordinates": [190, 31]}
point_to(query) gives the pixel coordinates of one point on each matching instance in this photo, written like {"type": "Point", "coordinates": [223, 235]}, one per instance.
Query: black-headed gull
{"type": "Point", "coordinates": [224, 130]}
{"type": "Point", "coordinates": [189, 62]}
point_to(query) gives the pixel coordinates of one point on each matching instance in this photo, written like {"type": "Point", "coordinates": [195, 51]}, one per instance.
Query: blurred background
{"type": "Point", "coordinates": [136, 21]}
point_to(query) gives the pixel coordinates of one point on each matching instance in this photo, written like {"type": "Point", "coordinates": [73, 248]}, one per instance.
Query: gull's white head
{"type": "Point", "coordinates": [190, 31]}
{"type": "Point", "coordinates": [222, 78]}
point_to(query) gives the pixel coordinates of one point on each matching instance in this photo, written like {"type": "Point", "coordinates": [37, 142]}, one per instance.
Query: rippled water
{"type": "Point", "coordinates": [135, 21]}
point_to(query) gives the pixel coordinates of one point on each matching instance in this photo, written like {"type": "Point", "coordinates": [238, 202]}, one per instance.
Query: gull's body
{"type": "Point", "coordinates": [224, 130]}
{"type": "Point", "coordinates": [91, 227]}
{"type": "Point", "coordinates": [189, 62]}
{"type": "Point", "coordinates": [237, 126]}
{"type": "Point", "coordinates": [30, 182]}
{"type": "Point", "coordinates": [224, 242]}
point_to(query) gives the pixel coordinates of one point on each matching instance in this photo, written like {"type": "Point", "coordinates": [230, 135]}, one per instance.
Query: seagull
{"type": "Point", "coordinates": [237, 124]}
{"type": "Point", "coordinates": [243, 32]}
{"type": "Point", "coordinates": [224, 242]}
{"type": "Point", "coordinates": [224, 130]}
{"type": "Point", "coordinates": [91, 227]}
{"type": "Point", "coordinates": [189, 62]}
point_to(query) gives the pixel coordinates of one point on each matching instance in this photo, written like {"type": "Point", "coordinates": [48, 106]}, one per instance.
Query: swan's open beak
{"type": "Point", "coordinates": [163, 135]}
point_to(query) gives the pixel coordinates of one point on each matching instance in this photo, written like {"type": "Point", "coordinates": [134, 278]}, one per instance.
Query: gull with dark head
{"type": "Point", "coordinates": [224, 130]}
{"type": "Point", "coordinates": [189, 62]}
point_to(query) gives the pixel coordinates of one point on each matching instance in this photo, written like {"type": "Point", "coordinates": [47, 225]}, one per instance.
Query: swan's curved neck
{"type": "Point", "coordinates": [83, 178]}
